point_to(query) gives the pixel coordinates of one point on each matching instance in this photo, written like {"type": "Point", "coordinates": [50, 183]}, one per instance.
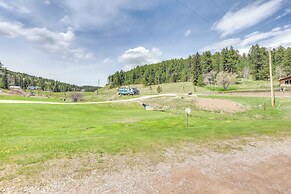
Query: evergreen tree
{"type": "Point", "coordinates": [216, 60]}
{"type": "Point", "coordinates": [287, 61]}
{"type": "Point", "coordinates": [197, 70]}
{"type": "Point", "coordinates": [254, 64]}
{"type": "Point", "coordinates": [229, 59]}
{"type": "Point", "coordinates": [206, 62]}
{"type": "Point", "coordinates": [278, 56]}
{"type": "Point", "coordinates": [258, 59]}
{"type": "Point", "coordinates": [5, 84]}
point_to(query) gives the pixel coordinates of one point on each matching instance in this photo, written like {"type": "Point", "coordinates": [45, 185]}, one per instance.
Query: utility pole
{"type": "Point", "coordinates": [271, 79]}
{"type": "Point", "coordinates": [98, 86]}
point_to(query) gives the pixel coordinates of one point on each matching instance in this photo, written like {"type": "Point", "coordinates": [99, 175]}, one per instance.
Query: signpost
{"type": "Point", "coordinates": [187, 111]}
{"type": "Point", "coordinates": [98, 87]}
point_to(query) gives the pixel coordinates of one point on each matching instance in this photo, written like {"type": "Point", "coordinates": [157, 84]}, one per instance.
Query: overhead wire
{"type": "Point", "coordinates": [193, 11]}
{"type": "Point", "coordinates": [217, 6]}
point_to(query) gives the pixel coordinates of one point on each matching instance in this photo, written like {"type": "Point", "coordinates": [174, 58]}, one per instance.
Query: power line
{"type": "Point", "coordinates": [193, 11]}
{"type": "Point", "coordinates": [216, 5]}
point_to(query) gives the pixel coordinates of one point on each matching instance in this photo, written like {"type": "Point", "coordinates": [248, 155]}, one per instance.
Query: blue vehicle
{"type": "Point", "coordinates": [128, 91]}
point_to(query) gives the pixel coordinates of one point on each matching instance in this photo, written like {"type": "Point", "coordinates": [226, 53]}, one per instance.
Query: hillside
{"type": "Point", "coordinates": [203, 68]}
{"type": "Point", "coordinates": [11, 78]}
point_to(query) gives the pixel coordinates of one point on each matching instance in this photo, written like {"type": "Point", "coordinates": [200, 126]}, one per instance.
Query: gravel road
{"type": "Point", "coordinates": [71, 103]}
{"type": "Point", "coordinates": [254, 166]}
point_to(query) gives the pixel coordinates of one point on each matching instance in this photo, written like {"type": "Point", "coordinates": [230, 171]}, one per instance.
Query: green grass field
{"type": "Point", "coordinates": [8, 97]}
{"type": "Point", "coordinates": [106, 93]}
{"type": "Point", "coordinates": [244, 85]}
{"type": "Point", "coordinates": [34, 133]}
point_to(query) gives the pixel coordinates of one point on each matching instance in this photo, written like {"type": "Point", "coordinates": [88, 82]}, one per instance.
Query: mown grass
{"type": "Point", "coordinates": [10, 97]}
{"type": "Point", "coordinates": [37, 132]}
{"type": "Point", "coordinates": [244, 85]}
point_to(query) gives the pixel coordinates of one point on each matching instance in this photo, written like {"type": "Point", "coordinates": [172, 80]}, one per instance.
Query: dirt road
{"type": "Point", "coordinates": [253, 166]}
{"type": "Point", "coordinates": [253, 94]}
{"type": "Point", "coordinates": [70, 103]}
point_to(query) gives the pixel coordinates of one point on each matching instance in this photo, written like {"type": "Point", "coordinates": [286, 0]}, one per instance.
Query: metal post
{"type": "Point", "coordinates": [98, 87]}
{"type": "Point", "coordinates": [271, 78]}
{"type": "Point", "coordinates": [187, 111]}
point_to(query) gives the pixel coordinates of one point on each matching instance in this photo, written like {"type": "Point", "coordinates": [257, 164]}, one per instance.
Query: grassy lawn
{"type": "Point", "coordinates": [8, 97]}
{"type": "Point", "coordinates": [245, 85]}
{"type": "Point", "coordinates": [179, 87]}
{"type": "Point", "coordinates": [57, 96]}
{"type": "Point", "coordinates": [34, 133]}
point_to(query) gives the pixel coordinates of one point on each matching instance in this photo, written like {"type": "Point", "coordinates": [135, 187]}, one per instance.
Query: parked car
{"type": "Point", "coordinates": [128, 91]}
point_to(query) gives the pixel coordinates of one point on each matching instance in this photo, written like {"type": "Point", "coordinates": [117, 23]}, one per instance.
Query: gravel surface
{"type": "Point", "coordinates": [237, 166]}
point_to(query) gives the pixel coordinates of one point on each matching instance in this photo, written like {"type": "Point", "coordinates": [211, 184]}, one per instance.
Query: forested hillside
{"type": "Point", "coordinates": [10, 78]}
{"type": "Point", "coordinates": [202, 68]}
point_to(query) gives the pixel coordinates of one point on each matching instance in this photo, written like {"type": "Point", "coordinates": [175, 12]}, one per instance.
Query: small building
{"type": "Point", "coordinates": [285, 81]}
{"type": "Point", "coordinates": [33, 88]}
{"type": "Point", "coordinates": [14, 87]}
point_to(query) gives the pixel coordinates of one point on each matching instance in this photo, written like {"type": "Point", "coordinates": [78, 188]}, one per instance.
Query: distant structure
{"type": "Point", "coordinates": [14, 87]}
{"type": "Point", "coordinates": [33, 88]}
{"type": "Point", "coordinates": [285, 81]}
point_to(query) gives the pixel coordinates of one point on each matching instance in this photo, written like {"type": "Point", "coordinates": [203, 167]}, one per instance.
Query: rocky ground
{"type": "Point", "coordinates": [238, 166]}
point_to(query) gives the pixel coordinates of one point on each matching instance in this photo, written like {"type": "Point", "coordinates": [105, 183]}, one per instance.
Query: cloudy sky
{"type": "Point", "coordinates": [83, 41]}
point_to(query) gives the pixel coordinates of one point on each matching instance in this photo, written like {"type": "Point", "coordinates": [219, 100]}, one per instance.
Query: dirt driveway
{"type": "Point", "coordinates": [238, 166]}
{"type": "Point", "coordinates": [267, 176]}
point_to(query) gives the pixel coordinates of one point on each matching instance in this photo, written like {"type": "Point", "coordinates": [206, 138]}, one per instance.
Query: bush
{"type": "Point", "coordinates": [76, 96]}
{"type": "Point", "coordinates": [159, 89]}
{"type": "Point", "coordinates": [225, 79]}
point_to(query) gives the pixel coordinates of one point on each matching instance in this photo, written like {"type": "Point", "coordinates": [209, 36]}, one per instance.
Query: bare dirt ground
{"type": "Point", "coordinates": [102, 102]}
{"type": "Point", "coordinates": [258, 94]}
{"type": "Point", "coordinates": [249, 165]}
{"type": "Point", "coordinates": [219, 105]}
{"type": "Point", "coordinates": [182, 101]}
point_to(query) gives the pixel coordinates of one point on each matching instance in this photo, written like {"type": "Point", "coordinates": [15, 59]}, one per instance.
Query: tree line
{"type": "Point", "coordinates": [10, 78]}
{"type": "Point", "coordinates": [203, 68]}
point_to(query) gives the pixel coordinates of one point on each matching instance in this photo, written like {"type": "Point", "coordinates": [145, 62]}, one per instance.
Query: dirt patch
{"type": "Point", "coordinates": [271, 176]}
{"type": "Point", "coordinates": [262, 166]}
{"type": "Point", "coordinates": [257, 94]}
{"type": "Point", "coordinates": [18, 92]}
{"type": "Point", "coordinates": [219, 105]}
{"type": "Point", "coordinates": [182, 102]}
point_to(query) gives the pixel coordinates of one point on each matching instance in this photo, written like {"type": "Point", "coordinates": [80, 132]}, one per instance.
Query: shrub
{"type": "Point", "coordinates": [225, 79]}
{"type": "Point", "coordinates": [76, 96]}
{"type": "Point", "coordinates": [159, 89]}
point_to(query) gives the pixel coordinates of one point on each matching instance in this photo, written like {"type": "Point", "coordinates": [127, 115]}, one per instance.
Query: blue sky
{"type": "Point", "coordinates": [83, 41]}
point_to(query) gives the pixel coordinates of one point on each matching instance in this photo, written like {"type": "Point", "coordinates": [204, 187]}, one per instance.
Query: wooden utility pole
{"type": "Point", "coordinates": [271, 79]}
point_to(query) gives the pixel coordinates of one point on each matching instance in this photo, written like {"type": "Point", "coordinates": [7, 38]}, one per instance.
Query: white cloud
{"type": "Point", "coordinates": [47, 2]}
{"type": "Point", "coordinates": [89, 14]}
{"type": "Point", "coordinates": [52, 41]}
{"type": "Point", "coordinates": [14, 7]}
{"type": "Point", "coordinates": [187, 33]}
{"type": "Point", "coordinates": [139, 56]}
{"type": "Point", "coordinates": [5, 6]}
{"type": "Point", "coordinates": [222, 44]}
{"type": "Point", "coordinates": [66, 20]}
{"type": "Point", "coordinates": [286, 12]}
{"type": "Point", "coordinates": [107, 60]}
{"type": "Point", "coordinates": [81, 54]}
{"type": "Point", "coordinates": [280, 36]}
{"type": "Point", "coordinates": [259, 36]}
{"type": "Point", "coordinates": [250, 15]}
